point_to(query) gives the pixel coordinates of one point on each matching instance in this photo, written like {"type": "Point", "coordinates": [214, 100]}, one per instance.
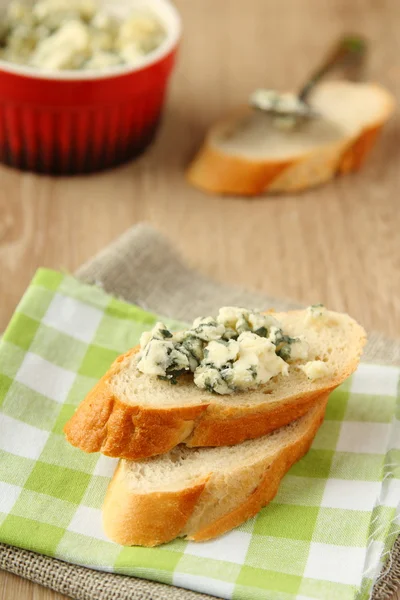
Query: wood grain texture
{"type": "Point", "coordinates": [338, 244]}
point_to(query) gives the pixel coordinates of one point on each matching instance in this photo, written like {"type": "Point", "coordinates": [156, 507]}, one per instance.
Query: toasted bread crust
{"type": "Point", "coordinates": [150, 519]}
{"type": "Point", "coordinates": [356, 154]}
{"type": "Point", "coordinates": [103, 423]}
{"type": "Point", "coordinates": [147, 519]}
{"type": "Point", "coordinates": [226, 424]}
{"type": "Point", "coordinates": [219, 173]}
{"type": "Point", "coordinates": [216, 172]}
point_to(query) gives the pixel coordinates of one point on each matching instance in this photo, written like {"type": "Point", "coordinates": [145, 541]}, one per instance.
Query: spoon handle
{"type": "Point", "coordinates": [350, 50]}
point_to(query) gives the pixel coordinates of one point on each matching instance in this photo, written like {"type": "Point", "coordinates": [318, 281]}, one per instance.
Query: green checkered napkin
{"type": "Point", "coordinates": [323, 537]}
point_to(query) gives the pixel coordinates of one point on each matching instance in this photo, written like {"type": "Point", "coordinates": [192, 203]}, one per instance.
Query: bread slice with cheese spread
{"type": "Point", "coordinates": [202, 493]}
{"type": "Point", "coordinates": [130, 414]}
{"type": "Point", "coordinates": [249, 153]}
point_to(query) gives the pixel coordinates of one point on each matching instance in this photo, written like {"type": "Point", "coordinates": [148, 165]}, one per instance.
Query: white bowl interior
{"type": "Point", "coordinates": [165, 11]}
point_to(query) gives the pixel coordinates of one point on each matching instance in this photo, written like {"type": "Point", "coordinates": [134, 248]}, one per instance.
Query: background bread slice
{"type": "Point", "coordinates": [246, 154]}
{"type": "Point", "coordinates": [131, 415]}
{"type": "Point", "coordinates": [202, 493]}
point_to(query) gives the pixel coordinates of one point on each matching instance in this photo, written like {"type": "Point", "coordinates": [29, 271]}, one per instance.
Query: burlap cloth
{"type": "Point", "coordinates": [142, 267]}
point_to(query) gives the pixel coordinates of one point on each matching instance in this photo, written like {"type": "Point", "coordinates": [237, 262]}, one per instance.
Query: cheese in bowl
{"type": "Point", "coordinates": [83, 82]}
{"type": "Point", "coordinates": [76, 34]}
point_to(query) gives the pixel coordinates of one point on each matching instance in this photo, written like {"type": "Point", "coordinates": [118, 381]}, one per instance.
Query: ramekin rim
{"type": "Point", "coordinates": [168, 46]}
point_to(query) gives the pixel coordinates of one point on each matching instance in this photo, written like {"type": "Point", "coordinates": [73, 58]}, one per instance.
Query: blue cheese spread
{"type": "Point", "coordinates": [279, 103]}
{"type": "Point", "coordinates": [286, 108]}
{"type": "Point", "coordinates": [75, 34]}
{"type": "Point", "coordinates": [240, 349]}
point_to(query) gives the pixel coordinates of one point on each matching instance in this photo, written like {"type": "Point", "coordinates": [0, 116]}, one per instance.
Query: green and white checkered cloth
{"type": "Point", "coordinates": [323, 536]}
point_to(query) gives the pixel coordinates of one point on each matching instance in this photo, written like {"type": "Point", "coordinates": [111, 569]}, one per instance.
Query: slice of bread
{"type": "Point", "coordinates": [247, 154]}
{"type": "Point", "coordinates": [132, 415]}
{"type": "Point", "coordinates": [202, 493]}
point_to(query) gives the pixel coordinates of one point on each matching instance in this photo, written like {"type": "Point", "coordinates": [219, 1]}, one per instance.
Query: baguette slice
{"type": "Point", "coordinates": [132, 415]}
{"type": "Point", "coordinates": [246, 154]}
{"type": "Point", "coordinates": [202, 493]}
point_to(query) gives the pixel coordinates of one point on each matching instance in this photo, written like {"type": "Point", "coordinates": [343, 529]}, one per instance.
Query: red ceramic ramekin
{"type": "Point", "coordinates": [71, 122]}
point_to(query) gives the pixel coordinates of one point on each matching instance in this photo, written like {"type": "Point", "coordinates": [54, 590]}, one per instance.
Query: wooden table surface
{"type": "Point", "coordinates": [338, 244]}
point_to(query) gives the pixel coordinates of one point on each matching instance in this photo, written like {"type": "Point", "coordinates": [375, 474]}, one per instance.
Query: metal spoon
{"type": "Point", "coordinates": [349, 51]}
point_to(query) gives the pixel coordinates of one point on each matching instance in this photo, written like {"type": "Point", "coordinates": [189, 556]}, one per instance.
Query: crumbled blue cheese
{"type": "Point", "coordinates": [211, 379]}
{"type": "Point", "coordinates": [281, 103]}
{"type": "Point", "coordinates": [160, 356]}
{"type": "Point", "coordinates": [299, 349]}
{"type": "Point", "coordinates": [274, 334]}
{"type": "Point", "coordinates": [159, 332]}
{"type": "Point", "coordinates": [49, 10]}
{"type": "Point", "coordinates": [257, 362]}
{"type": "Point", "coordinates": [193, 348]}
{"type": "Point", "coordinates": [229, 316]}
{"type": "Point", "coordinates": [19, 13]}
{"type": "Point", "coordinates": [130, 53]}
{"type": "Point", "coordinates": [288, 348]}
{"type": "Point", "coordinates": [318, 315]}
{"type": "Point", "coordinates": [238, 350]}
{"type": "Point", "coordinates": [315, 312]}
{"type": "Point", "coordinates": [218, 353]}
{"type": "Point", "coordinates": [286, 107]}
{"type": "Point", "coordinates": [259, 321]}
{"type": "Point", "coordinates": [142, 29]}
{"type": "Point", "coordinates": [102, 41]}
{"type": "Point", "coordinates": [42, 32]}
{"type": "Point", "coordinates": [315, 369]}
{"type": "Point", "coordinates": [238, 365]}
{"type": "Point", "coordinates": [102, 59]}
{"type": "Point", "coordinates": [74, 34]}
{"type": "Point", "coordinates": [20, 43]}
{"type": "Point", "coordinates": [102, 21]}
{"type": "Point", "coordinates": [242, 319]}
{"type": "Point", "coordinates": [207, 329]}
{"type": "Point", "coordinates": [155, 359]}
{"type": "Point", "coordinates": [160, 353]}
{"type": "Point", "coordinates": [68, 48]}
